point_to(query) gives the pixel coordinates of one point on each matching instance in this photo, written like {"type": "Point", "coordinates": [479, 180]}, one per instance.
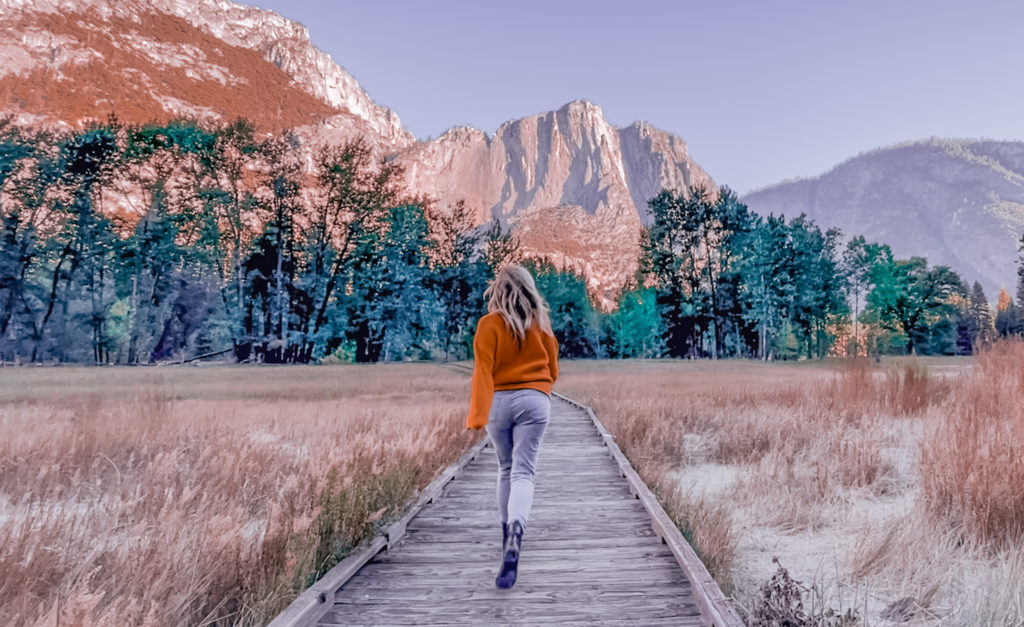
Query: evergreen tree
{"type": "Point", "coordinates": [225, 239]}
{"type": "Point", "coordinates": [235, 187]}
{"type": "Point", "coordinates": [633, 329]}
{"type": "Point", "coordinates": [909, 297]}
{"type": "Point", "coordinates": [768, 283]}
{"type": "Point", "coordinates": [856, 264]}
{"type": "Point", "coordinates": [669, 261]}
{"type": "Point", "coordinates": [982, 324]}
{"type": "Point", "coordinates": [819, 285]}
{"type": "Point", "coordinates": [153, 259]}
{"type": "Point", "coordinates": [30, 171]}
{"type": "Point", "coordinates": [89, 159]}
{"type": "Point", "coordinates": [573, 318]}
{"type": "Point", "coordinates": [390, 311]}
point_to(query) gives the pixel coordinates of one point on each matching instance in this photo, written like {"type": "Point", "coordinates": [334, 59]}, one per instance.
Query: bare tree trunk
{"type": "Point", "coordinates": [279, 297]}
{"type": "Point", "coordinates": [133, 337]}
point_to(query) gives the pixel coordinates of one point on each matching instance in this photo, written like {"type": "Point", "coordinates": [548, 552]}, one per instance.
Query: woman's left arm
{"type": "Point", "coordinates": [551, 346]}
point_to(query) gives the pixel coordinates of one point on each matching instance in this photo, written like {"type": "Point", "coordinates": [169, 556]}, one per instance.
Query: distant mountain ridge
{"type": "Point", "coordinates": [958, 202]}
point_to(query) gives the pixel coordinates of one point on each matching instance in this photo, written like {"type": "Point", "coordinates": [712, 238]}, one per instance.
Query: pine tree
{"type": "Point", "coordinates": [981, 318]}
{"type": "Point", "coordinates": [153, 259]}
{"type": "Point", "coordinates": [573, 319]}
{"type": "Point", "coordinates": [90, 157]}
{"type": "Point", "coordinates": [633, 329]}
{"type": "Point", "coordinates": [767, 285]}
{"type": "Point", "coordinates": [856, 267]}
{"type": "Point", "coordinates": [390, 312]}
{"type": "Point", "coordinates": [31, 170]}
{"type": "Point", "coordinates": [819, 285]}
{"type": "Point", "coordinates": [235, 182]}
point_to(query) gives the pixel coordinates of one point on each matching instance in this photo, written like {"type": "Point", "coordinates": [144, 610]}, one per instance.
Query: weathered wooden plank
{"type": "Point", "coordinates": [548, 512]}
{"type": "Point", "coordinates": [675, 586]}
{"type": "Point", "coordinates": [537, 542]}
{"type": "Point", "coordinates": [431, 555]}
{"type": "Point", "coordinates": [600, 499]}
{"type": "Point", "coordinates": [533, 613]}
{"type": "Point", "coordinates": [530, 573]}
{"type": "Point", "coordinates": [313, 602]}
{"type": "Point", "coordinates": [537, 528]}
{"type": "Point", "coordinates": [675, 621]}
{"type": "Point", "coordinates": [564, 594]}
{"type": "Point", "coordinates": [596, 515]}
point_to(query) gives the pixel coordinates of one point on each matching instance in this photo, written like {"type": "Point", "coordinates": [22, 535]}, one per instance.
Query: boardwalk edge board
{"type": "Point", "coordinates": [318, 599]}
{"type": "Point", "coordinates": [709, 597]}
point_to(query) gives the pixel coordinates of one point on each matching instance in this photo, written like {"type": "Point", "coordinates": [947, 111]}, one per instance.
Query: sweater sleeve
{"type": "Point", "coordinates": [551, 346]}
{"type": "Point", "coordinates": [485, 343]}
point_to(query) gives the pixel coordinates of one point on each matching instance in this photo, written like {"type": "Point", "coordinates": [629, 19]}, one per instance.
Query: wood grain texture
{"type": "Point", "coordinates": [592, 553]}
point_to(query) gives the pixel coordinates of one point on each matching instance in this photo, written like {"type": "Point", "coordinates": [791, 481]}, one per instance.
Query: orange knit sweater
{"type": "Point", "coordinates": [501, 363]}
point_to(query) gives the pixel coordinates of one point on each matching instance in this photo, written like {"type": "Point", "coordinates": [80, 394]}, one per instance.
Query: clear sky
{"type": "Point", "coordinates": [760, 90]}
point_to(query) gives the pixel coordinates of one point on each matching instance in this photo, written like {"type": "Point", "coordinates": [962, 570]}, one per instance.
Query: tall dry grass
{"type": "Point", "coordinates": [204, 496]}
{"type": "Point", "coordinates": [805, 433]}
{"type": "Point", "coordinates": [972, 462]}
{"type": "Point", "coordinates": [898, 489]}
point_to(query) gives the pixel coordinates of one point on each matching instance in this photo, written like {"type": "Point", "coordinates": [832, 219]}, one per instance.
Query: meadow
{"type": "Point", "coordinates": [204, 495]}
{"type": "Point", "coordinates": [891, 492]}
{"type": "Point", "coordinates": [212, 495]}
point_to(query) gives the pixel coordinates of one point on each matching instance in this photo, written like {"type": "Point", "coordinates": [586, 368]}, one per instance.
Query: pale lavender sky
{"type": "Point", "coordinates": [761, 91]}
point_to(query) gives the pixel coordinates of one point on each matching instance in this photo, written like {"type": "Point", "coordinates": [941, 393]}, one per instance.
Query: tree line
{"type": "Point", "coordinates": [730, 283]}
{"type": "Point", "coordinates": [137, 244]}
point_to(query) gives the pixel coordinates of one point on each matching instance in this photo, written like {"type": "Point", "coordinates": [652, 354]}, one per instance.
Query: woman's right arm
{"type": "Point", "coordinates": [485, 344]}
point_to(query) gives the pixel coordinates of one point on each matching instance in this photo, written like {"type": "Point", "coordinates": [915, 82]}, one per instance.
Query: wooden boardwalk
{"type": "Point", "coordinates": [593, 554]}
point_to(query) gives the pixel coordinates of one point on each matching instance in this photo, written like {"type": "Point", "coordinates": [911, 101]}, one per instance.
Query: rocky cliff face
{"type": "Point", "coordinates": [958, 202]}
{"type": "Point", "coordinates": [573, 186]}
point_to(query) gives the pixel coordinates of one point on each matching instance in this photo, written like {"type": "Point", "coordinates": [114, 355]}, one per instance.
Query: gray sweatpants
{"type": "Point", "coordinates": [516, 426]}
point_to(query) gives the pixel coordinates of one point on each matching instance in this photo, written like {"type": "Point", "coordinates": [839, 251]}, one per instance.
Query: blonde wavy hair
{"type": "Point", "coordinates": [514, 296]}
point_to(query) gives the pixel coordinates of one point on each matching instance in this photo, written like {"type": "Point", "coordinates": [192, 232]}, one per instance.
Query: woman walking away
{"type": "Point", "coordinates": [516, 361]}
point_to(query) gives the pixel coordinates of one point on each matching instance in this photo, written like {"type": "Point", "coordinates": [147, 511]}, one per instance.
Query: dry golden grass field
{"type": "Point", "coordinates": [204, 495]}
{"type": "Point", "coordinates": [892, 491]}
